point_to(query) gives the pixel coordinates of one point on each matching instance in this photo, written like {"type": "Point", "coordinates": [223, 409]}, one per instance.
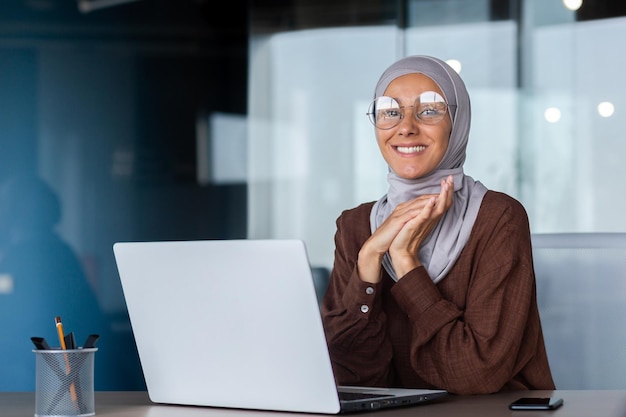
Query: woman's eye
{"type": "Point", "coordinates": [430, 111]}
{"type": "Point", "coordinates": [390, 113]}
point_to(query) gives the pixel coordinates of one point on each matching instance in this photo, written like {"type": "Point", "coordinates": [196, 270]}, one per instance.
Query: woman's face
{"type": "Point", "coordinates": [413, 149]}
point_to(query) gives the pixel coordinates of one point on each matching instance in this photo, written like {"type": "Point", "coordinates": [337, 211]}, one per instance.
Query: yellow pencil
{"type": "Point", "coordinates": [59, 325]}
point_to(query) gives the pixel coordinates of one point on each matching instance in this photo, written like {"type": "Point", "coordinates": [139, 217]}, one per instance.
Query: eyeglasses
{"type": "Point", "coordinates": [429, 108]}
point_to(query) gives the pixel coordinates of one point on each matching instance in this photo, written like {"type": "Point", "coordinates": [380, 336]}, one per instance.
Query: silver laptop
{"type": "Point", "coordinates": [236, 324]}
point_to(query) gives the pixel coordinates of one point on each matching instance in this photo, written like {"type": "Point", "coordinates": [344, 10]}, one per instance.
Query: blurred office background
{"type": "Point", "coordinates": [166, 119]}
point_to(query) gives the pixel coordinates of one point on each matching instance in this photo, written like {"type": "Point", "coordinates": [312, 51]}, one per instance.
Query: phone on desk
{"type": "Point", "coordinates": [536, 403]}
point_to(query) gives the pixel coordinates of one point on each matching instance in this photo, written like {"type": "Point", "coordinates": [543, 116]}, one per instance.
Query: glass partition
{"type": "Point", "coordinates": [103, 114]}
{"type": "Point", "coordinates": [546, 104]}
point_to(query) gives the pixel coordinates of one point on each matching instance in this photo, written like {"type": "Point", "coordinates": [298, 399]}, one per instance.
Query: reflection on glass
{"type": "Point", "coordinates": [41, 277]}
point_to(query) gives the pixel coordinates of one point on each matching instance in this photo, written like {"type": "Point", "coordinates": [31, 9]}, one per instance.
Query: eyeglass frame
{"type": "Point", "coordinates": [372, 118]}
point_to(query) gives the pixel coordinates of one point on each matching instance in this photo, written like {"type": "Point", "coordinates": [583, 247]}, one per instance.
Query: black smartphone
{"type": "Point", "coordinates": [536, 403]}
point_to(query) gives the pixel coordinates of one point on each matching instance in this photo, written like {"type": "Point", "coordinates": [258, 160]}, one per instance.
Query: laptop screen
{"type": "Point", "coordinates": [228, 323]}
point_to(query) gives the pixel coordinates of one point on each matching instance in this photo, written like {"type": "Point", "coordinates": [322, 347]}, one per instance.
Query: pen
{"type": "Point", "coordinates": [68, 369]}
{"type": "Point", "coordinates": [91, 341]}
{"type": "Point", "coordinates": [70, 341]}
{"type": "Point", "coordinates": [40, 343]}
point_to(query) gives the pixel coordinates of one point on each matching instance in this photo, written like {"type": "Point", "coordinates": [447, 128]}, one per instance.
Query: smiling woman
{"type": "Point", "coordinates": [433, 285]}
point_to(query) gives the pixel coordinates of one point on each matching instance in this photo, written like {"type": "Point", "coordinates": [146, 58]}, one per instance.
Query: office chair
{"type": "Point", "coordinates": [321, 276]}
{"type": "Point", "coordinates": [581, 292]}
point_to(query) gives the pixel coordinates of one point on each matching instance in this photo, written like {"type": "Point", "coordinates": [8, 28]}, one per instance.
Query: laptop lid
{"type": "Point", "coordinates": [232, 323]}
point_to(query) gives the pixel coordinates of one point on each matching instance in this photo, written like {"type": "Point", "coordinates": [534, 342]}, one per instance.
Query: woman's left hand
{"type": "Point", "coordinates": [405, 246]}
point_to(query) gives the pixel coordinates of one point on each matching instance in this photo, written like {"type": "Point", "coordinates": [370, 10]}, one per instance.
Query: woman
{"type": "Point", "coordinates": [433, 285]}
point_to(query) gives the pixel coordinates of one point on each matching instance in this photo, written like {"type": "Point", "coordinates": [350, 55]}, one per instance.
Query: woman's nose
{"type": "Point", "coordinates": [409, 124]}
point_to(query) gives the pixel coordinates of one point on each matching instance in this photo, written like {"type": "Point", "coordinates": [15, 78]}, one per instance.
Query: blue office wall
{"type": "Point", "coordinates": [98, 137]}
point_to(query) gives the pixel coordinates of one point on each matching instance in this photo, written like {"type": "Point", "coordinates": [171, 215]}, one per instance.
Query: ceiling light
{"type": "Point", "coordinates": [606, 109]}
{"type": "Point", "coordinates": [573, 4]}
{"type": "Point", "coordinates": [552, 114]}
{"type": "Point", "coordinates": [86, 6]}
{"type": "Point", "coordinates": [455, 64]}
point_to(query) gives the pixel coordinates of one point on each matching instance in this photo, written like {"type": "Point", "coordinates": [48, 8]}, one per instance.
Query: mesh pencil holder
{"type": "Point", "coordinates": [64, 382]}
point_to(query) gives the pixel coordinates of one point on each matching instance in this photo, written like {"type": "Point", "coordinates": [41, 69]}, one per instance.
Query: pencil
{"type": "Point", "coordinates": [68, 369]}
{"type": "Point", "coordinates": [59, 324]}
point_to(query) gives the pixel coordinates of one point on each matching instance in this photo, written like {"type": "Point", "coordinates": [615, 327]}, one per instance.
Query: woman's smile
{"type": "Point", "coordinates": [410, 149]}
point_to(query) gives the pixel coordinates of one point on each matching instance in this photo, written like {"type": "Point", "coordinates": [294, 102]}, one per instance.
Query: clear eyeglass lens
{"type": "Point", "coordinates": [429, 108]}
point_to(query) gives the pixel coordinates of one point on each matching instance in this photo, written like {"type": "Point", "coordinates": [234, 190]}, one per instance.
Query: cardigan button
{"type": "Point", "coordinates": [369, 291]}
{"type": "Point", "coordinates": [365, 308]}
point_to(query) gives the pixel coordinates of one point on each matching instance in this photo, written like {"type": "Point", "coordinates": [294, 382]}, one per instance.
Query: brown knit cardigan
{"type": "Point", "coordinates": [477, 331]}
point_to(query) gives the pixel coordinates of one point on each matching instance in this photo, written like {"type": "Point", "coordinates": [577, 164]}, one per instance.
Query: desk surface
{"type": "Point", "coordinates": [605, 403]}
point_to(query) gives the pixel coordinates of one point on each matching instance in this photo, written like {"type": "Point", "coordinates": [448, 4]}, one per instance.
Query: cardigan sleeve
{"type": "Point", "coordinates": [354, 321]}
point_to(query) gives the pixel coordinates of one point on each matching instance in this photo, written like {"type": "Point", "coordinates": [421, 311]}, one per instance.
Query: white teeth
{"type": "Point", "coordinates": [410, 149]}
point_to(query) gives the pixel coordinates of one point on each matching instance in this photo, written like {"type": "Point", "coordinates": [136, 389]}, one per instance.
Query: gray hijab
{"type": "Point", "coordinates": [443, 246]}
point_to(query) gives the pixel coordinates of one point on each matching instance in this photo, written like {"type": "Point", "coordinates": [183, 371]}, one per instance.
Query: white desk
{"type": "Point", "coordinates": [136, 404]}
